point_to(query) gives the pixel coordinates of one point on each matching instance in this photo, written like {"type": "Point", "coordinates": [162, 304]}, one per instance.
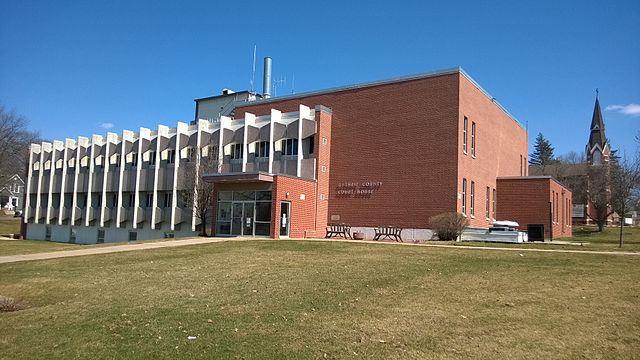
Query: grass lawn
{"type": "Point", "coordinates": [305, 299]}
{"type": "Point", "coordinates": [19, 247]}
{"type": "Point", "coordinates": [9, 225]}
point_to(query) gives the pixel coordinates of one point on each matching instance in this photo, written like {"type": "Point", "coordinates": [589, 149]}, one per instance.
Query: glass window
{"type": "Point", "coordinates": [494, 204]}
{"type": "Point", "coordinates": [464, 196]}
{"type": "Point", "coordinates": [72, 235]}
{"type": "Point", "coordinates": [223, 227]}
{"type": "Point", "coordinates": [225, 195]}
{"type": "Point", "coordinates": [473, 194]}
{"type": "Point", "coordinates": [263, 211]}
{"type": "Point", "coordinates": [244, 195]}
{"type": "Point", "coordinates": [47, 233]}
{"type": "Point", "coordinates": [473, 139]}
{"type": "Point", "coordinates": [262, 149]}
{"type": "Point", "coordinates": [289, 147]}
{"type": "Point", "coordinates": [100, 236]}
{"type": "Point", "coordinates": [133, 235]}
{"type": "Point", "coordinates": [171, 156]}
{"type": "Point", "coordinates": [263, 195]}
{"type": "Point", "coordinates": [236, 151]}
{"type": "Point", "coordinates": [464, 134]}
{"type": "Point", "coordinates": [263, 228]}
{"type": "Point", "coordinates": [224, 211]}
{"type": "Point", "coordinates": [149, 200]}
{"type": "Point", "coordinates": [487, 202]}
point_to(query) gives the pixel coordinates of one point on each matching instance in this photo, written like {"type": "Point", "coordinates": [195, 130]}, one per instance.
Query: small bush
{"type": "Point", "coordinates": [449, 226]}
{"type": "Point", "coordinates": [8, 304]}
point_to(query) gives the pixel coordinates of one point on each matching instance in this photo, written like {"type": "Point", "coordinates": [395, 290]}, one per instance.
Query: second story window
{"type": "Point", "coordinates": [236, 151]}
{"type": "Point", "coordinates": [149, 200]}
{"type": "Point", "coordinates": [289, 147]}
{"type": "Point", "coordinates": [168, 198]}
{"type": "Point", "coordinates": [151, 157]}
{"type": "Point", "coordinates": [473, 139]}
{"type": "Point", "coordinates": [465, 125]}
{"type": "Point", "coordinates": [473, 200]}
{"type": "Point", "coordinates": [262, 149]}
{"type": "Point", "coordinates": [171, 156]}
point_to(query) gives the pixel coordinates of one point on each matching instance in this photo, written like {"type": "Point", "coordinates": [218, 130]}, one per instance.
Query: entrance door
{"type": "Point", "coordinates": [285, 218]}
{"type": "Point", "coordinates": [242, 220]}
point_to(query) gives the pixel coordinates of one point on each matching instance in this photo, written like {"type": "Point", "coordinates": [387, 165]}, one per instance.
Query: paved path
{"type": "Point", "coordinates": [110, 249]}
{"type": "Point", "coordinates": [199, 240]}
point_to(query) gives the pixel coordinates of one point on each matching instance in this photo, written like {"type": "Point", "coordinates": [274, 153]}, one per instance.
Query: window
{"type": "Point", "coordinates": [289, 147]}
{"type": "Point", "coordinates": [36, 165]}
{"type": "Point", "coordinates": [47, 165]}
{"type": "Point", "coordinates": [169, 235]}
{"type": "Point", "coordinates": [47, 233]}
{"type": "Point", "coordinates": [171, 156]}
{"type": "Point", "coordinates": [494, 204]}
{"type": "Point", "coordinates": [464, 134]}
{"type": "Point", "coordinates": [72, 235]}
{"type": "Point", "coordinates": [168, 198]}
{"type": "Point", "coordinates": [262, 149]}
{"type": "Point", "coordinates": [115, 160]}
{"type": "Point", "coordinates": [464, 196]}
{"type": "Point", "coordinates": [190, 154]}
{"type": "Point", "coordinates": [149, 199]}
{"type": "Point", "coordinates": [98, 161]}
{"type": "Point", "coordinates": [100, 238]}
{"type": "Point", "coordinates": [59, 164]}
{"type": "Point", "coordinates": [487, 203]}
{"type": "Point", "coordinates": [133, 235]}
{"type": "Point", "coordinates": [473, 195]}
{"type": "Point", "coordinates": [312, 143]}
{"type": "Point", "coordinates": [71, 163]}
{"type": "Point", "coordinates": [236, 151]}
{"type": "Point", "coordinates": [525, 166]}
{"type": "Point", "coordinates": [520, 165]}
{"type": "Point", "coordinates": [114, 199]}
{"type": "Point", "coordinates": [473, 139]}
{"type": "Point", "coordinates": [151, 157]}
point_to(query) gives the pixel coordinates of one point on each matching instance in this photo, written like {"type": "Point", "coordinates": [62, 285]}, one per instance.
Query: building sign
{"type": "Point", "coordinates": [361, 189]}
{"type": "Point", "coordinates": [578, 211]}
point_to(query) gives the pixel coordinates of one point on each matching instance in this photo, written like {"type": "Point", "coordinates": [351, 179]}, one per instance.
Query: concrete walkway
{"type": "Point", "coordinates": [199, 240]}
{"type": "Point", "coordinates": [111, 249]}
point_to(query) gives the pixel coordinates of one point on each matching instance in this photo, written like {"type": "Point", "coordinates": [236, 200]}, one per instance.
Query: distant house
{"type": "Point", "coordinates": [11, 193]}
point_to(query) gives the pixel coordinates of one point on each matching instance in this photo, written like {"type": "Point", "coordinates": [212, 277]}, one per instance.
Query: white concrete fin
{"type": "Point", "coordinates": [203, 124]}
{"type": "Point", "coordinates": [58, 145]}
{"type": "Point", "coordinates": [112, 137]}
{"type": "Point", "coordinates": [182, 127]}
{"type": "Point", "coordinates": [46, 146]}
{"type": "Point", "coordinates": [145, 133]}
{"type": "Point", "coordinates": [128, 135]}
{"type": "Point", "coordinates": [36, 148]}
{"type": "Point", "coordinates": [96, 139]}
{"type": "Point", "coordinates": [249, 119]}
{"type": "Point", "coordinates": [70, 143]}
{"type": "Point", "coordinates": [306, 113]}
{"type": "Point", "coordinates": [83, 141]}
{"type": "Point", "coordinates": [163, 130]}
{"type": "Point", "coordinates": [276, 116]}
{"type": "Point", "coordinates": [225, 122]}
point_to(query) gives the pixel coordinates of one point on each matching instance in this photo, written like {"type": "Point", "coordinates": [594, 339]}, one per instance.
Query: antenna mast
{"type": "Point", "coordinates": [253, 70]}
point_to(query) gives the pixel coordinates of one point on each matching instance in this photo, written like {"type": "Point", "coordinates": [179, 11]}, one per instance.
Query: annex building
{"type": "Point", "coordinates": [391, 152]}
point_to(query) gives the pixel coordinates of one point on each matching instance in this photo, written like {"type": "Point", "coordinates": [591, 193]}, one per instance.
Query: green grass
{"type": "Point", "coordinates": [294, 299]}
{"type": "Point", "coordinates": [19, 247]}
{"type": "Point", "coordinates": [9, 225]}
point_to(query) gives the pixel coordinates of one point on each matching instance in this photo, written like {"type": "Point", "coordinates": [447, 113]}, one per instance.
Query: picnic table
{"type": "Point", "coordinates": [342, 230]}
{"type": "Point", "coordinates": [388, 232]}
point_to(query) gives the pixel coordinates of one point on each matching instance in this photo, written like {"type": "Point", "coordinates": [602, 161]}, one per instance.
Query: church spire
{"type": "Point", "coordinates": [597, 136]}
{"type": "Point", "coordinates": [597, 148]}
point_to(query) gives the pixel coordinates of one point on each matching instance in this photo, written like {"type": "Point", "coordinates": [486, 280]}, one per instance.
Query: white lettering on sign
{"type": "Point", "coordinates": [362, 189]}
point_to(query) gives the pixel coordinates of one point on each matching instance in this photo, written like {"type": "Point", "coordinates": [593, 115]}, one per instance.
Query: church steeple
{"type": "Point", "coordinates": [597, 148]}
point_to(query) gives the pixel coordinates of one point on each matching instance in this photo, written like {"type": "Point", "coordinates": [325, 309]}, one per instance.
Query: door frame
{"type": "Point", "coordinates": [289, 207]}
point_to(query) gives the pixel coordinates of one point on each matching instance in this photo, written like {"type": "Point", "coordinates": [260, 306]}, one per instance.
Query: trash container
{"type": "Point", "coordinates": [536, 232]}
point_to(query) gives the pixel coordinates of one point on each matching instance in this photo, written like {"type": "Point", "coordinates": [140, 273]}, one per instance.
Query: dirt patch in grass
{"type": "Point", "coordinates": [8, 304]}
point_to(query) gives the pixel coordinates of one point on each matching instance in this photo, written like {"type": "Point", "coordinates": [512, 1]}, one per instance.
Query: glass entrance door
{"type": "Point", "coordinates": [285, 218]}
{"type": "Point", "coordinates": [242, 220]}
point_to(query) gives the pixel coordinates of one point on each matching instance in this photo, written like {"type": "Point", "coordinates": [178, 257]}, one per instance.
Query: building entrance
{"type": "Point", "coordinates": [244, 213]}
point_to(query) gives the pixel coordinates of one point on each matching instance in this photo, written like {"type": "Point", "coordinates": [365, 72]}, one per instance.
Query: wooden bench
{"type": "Point", "coordinates": [388, 232]}
{"type": "Point", "coordinates": [342, 230]}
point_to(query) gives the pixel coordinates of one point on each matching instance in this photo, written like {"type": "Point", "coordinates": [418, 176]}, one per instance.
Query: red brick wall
{"type": "Point", "coordinates": [323, 157]}
{"type": "Point", "coordinates": [526, 200]}
{"type": "Point", "coordinates": [500, 144]}
{"type": "Point", "coordinates": [303, 212]}
{"type": "Point", "coordinates": [400, 134]}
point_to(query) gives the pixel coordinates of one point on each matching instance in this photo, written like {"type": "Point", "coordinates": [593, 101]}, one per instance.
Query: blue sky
{"type": "Point", "coordinates": [72, 66]}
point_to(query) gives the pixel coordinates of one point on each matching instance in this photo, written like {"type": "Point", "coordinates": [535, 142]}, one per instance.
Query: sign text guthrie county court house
{"type": "Point", "coordinates": [360, 189]}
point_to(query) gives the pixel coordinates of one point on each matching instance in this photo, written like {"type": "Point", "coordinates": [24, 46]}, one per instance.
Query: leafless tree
{"type": "Point", "coordinates": [625, 186]}
{"type": "Point", "coordinates": [15, 138]}
{"type": "Point", "coordinates": [598, 194]}
{"type": "Point", "coordinates": [198, 194]}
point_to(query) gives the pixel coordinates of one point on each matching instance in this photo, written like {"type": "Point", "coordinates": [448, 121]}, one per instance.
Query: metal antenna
{"type": "Point", "coordinates": [279, 82]}
{"type": "Point", "coordinates": [253, 71]}
{"type": "Point", "coordinates": [293, 84]}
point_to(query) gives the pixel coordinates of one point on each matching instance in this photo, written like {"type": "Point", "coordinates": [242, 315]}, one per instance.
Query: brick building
{"type": "Point", "coordinates": [536, 200]}
{"type": "Point", "coordinates": [392, 152]}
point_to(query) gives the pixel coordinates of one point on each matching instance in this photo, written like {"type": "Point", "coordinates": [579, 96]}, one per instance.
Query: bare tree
{"type": "Point", "coordinates": [598, 194]}
{"type": "Point", "coordinates": [15, 138]}
{"type": "Point", "coordinates": [198, 194]}
{"type": "Point", "coordinates": [625, 183]}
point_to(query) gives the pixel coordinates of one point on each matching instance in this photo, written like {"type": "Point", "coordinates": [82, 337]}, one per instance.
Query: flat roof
{"type": "Point", "coordinates": [227, 95]}
{"type": "Point", "coordinates": [534, 177]}
{"type": "Point", "coordinates": [238, 177]}
{"type": "Point", "coordinates": [450, 71]}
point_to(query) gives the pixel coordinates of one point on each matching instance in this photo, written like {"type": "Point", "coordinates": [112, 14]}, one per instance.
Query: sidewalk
{"type": "Point", "coordinates": [110, 249]}
{"type": "Point", "coordinates": [199, 240]}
